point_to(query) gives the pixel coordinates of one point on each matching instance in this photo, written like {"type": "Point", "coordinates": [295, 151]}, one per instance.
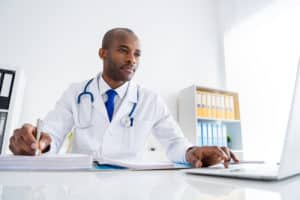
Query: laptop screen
{"type": "Point", "coordinates": [265, 95]}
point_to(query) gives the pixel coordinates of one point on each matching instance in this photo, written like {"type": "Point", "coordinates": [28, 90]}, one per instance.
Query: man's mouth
{"type": "Point", "coordinates": [128, 68]}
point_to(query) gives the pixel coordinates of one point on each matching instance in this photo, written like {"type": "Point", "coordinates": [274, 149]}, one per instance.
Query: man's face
{"type": "Point", "coordinates": [121, 59]}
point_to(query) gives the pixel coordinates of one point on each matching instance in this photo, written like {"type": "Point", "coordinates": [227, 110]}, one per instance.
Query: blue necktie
{"type": "Point", "coordinates": [110, 103]}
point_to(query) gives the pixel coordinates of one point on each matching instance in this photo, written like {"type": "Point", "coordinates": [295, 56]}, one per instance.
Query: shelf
{"type": "Point", "coordinates": [220, 120]}
{"type": "Point", "coordinates": [13, 82]}
{"type": "Point", "coordinates": [211, 124]}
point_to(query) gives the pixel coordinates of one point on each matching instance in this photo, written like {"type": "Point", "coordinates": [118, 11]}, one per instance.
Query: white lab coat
{"type": "Point", "coordinates": [111, 139]}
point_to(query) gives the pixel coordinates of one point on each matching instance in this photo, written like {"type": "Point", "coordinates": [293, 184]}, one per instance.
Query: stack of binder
{"type": "Point", "coordinates": [6, 86]}
{"type": "Point", "coordinates": [211, 134]}
{"type": "Point", "coordinates": [215, 105]}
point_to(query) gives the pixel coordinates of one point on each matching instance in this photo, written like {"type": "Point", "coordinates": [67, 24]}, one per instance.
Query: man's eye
{"type": "Point", "coordinates": [137, 54]}
{"type": "Point", "coordinates": [123, 50]}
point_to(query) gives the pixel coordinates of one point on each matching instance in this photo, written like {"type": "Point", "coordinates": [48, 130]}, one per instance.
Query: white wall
{"type": "Point", "coordinates": [261, 50]}
{"type": "Point", "coordinates": [56, 42]}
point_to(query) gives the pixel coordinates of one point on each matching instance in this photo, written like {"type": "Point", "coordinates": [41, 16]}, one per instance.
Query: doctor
{"type": "Point", "coordinates": [111, 116]}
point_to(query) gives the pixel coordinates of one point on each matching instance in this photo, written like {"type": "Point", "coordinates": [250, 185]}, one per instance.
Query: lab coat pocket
{"type": "Point", "coordinates": [137, 135]}
{"type": "Point", "coordinates": [85, 113]}
{"type": "Point", "coordinates": [85, 140]}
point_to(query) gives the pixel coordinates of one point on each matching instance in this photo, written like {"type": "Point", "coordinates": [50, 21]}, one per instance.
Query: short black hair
{"type": "Point", "coordinates": [109, 36]}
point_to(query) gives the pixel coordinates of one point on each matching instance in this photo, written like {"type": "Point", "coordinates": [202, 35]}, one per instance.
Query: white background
{"type": "Point", "coordinates": [261, 50]}
{"type": "Point", "coordinates": [212, 43]}
{"type": "Point", "coordinates": [57, 42]}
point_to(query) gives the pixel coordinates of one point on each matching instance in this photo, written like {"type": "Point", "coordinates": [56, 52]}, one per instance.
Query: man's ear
{"type": "Point", "coordinates": [102, 53]}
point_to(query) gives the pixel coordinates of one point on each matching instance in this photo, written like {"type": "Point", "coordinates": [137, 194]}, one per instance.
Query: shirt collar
{"type": "Point", "coordinates": [103, 86]}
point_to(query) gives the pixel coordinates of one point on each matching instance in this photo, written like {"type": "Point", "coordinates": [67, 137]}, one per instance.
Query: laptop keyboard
{"type": "Point", "coordinates": [259, 171]}
{"type": "Point", "coordinates": [247, 168]}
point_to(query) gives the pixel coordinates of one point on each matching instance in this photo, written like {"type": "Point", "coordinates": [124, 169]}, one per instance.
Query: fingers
{"type": "Point", "coordinates": [196, 162]}
{"type": "Point", "coordinates": [20, 142]}
{"type": "Point", "coordinates": [206, 156]}
{"type": "Point", "coordinates": [215, 155]}
{"type": "Point", "coordinates": [234, 157]}
{"type": "Point", "coordinates": [23, 141]}
{"type": "Point", "coordinates": [13, 145]}
{"type": "Point", "coordinates": [228, 154]}
{"type": "Point", "coordinates": [27, 134]}
{"type": "Point", "coordinates": [193, 158]}
{"type": "Point", "coordinates": [231, 156]}
{"type": "Point", "coordinates": [29, 128]}
{"type": "Point", "coordinates": [222, 153]}
{"type": "Point", "coordinates": [45, 141]}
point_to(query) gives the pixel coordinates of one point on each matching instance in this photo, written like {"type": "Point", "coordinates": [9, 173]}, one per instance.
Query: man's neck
{"type": "Point", "coordinates": [113, 84]}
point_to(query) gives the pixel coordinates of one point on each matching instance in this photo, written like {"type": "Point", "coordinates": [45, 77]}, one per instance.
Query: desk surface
{"type": "Point", "coordinates": [139, 185]}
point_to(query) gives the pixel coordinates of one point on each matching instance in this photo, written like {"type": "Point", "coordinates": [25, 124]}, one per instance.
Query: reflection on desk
{"type": "Point", "coordinates": [141, 185]}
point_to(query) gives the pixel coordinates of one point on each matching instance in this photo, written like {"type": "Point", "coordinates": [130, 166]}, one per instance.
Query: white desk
{"type": "Point", "coordinates": [138, 185]}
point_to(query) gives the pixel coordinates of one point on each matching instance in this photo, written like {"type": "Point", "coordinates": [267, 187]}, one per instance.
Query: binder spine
{"type": "Point", "coordinates": [6, 85]}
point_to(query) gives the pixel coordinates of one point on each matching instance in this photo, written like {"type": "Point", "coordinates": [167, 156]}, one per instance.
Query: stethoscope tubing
{"type": "Point", "coordinates": [86, 92]}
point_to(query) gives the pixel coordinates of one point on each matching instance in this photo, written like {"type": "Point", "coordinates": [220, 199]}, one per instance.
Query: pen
{"type": "Point", "coordinates": [38, 136]}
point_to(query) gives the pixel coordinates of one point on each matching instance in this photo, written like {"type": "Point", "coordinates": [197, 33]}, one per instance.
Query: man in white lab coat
{"type": "Point", "coordinates": [111, 116]}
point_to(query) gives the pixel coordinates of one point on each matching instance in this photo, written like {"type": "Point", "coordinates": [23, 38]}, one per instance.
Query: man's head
{"type": "Point", "coordinates": [120, 53]}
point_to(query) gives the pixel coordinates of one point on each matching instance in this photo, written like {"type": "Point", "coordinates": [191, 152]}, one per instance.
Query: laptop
{"type": "Point", "coordinates": [289, 163]}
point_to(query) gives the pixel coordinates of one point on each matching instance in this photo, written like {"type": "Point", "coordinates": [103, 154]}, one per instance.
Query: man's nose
{"type": "Point", "coordinates": [131, 58]}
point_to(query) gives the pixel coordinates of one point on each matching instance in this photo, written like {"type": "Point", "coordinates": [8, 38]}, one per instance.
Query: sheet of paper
{"type": "Point", "coordinates": [46, 162]}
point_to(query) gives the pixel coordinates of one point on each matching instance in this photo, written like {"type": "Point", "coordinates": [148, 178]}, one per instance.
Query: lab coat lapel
{"type": "Point", "coordinates": [98, 100]}
{"type": "Point", "coordinates": [127, 103]}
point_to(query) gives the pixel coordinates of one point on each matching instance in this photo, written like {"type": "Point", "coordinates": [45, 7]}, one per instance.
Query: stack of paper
{"type": "Point", "coordinates": [46, 162]}
{"type": "Point", "coordinates": [136, 164]}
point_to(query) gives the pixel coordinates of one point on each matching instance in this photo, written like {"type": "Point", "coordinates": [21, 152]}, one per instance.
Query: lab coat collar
{"type": "Point", "coordinates": [128, 91]}
{"type": "Point", "coordinates": [104, 87]}
{"type": "Point", "coordinates": [131, 95]}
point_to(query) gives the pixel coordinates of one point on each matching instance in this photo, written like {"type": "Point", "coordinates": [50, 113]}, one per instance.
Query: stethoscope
{"type": "Point", "coordinates": [86, 121]}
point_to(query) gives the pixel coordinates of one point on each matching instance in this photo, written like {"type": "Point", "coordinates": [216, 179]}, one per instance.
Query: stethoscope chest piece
{"type": "Point", "coordinates": [127, 121]}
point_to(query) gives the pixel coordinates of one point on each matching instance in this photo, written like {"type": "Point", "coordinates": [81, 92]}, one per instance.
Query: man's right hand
{"type": "Point", "coordinates": [23, 141]}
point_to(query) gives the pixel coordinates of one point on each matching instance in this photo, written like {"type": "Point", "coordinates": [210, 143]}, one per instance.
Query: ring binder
{"type": "Point", "coordinates": [12, 84]}
{"type": "Point", "coordinates": [6, 85]}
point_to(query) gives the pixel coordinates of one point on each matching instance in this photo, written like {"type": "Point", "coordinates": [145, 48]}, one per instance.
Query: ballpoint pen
{"type": "Point", "coordinates": [38, 136]}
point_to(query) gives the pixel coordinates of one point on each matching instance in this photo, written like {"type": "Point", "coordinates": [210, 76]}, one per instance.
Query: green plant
{"type": "Point", "coordinates": [229, 141]}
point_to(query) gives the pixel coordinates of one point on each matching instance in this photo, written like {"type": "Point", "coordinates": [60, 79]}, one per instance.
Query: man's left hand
{"type": "Point", "coordinates": [210, 155]}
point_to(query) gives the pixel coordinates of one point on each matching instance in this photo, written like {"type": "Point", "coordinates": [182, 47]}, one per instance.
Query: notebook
{"type": "Point", "coordinates": [139, 164]}
{"type": "Point", "coordinates": [46, 162]}
{"type": "Point", "coordinates": [289, 163]}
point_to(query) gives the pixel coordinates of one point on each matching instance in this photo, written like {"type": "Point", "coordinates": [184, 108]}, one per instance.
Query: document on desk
{"type": "Point", "coordinates": [139, 164]}
{"type": "Point", "coordinates": [46, 162]}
